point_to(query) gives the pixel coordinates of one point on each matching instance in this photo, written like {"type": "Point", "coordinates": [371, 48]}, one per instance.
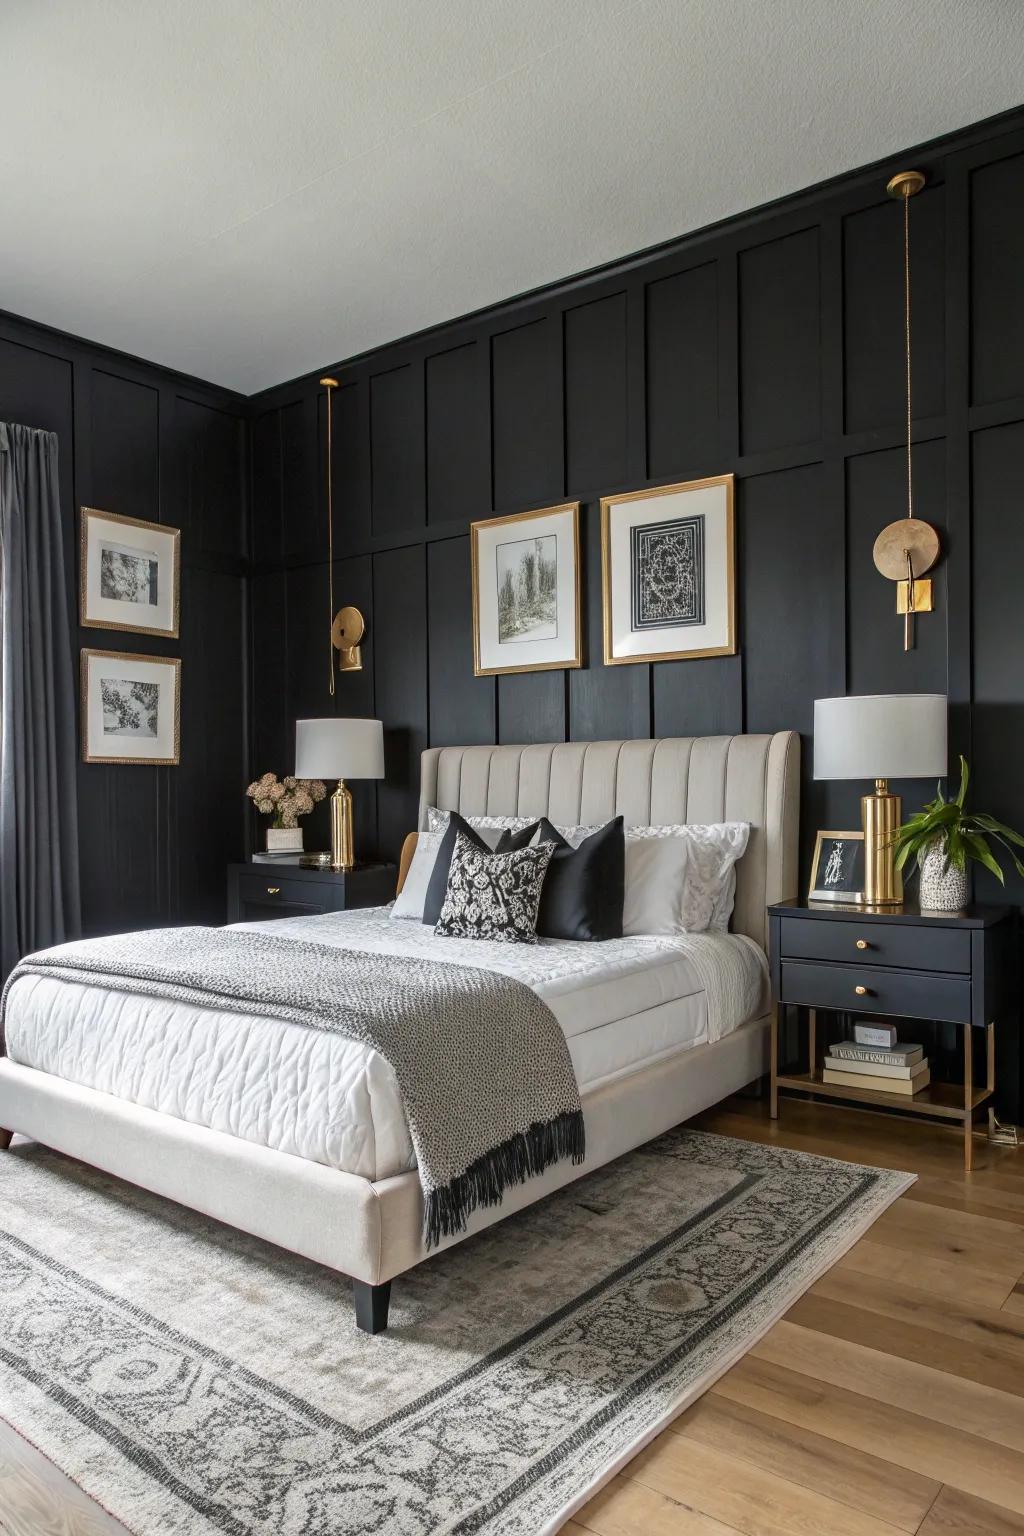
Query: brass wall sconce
{"type": "Point", "coordinates": [906, 549]}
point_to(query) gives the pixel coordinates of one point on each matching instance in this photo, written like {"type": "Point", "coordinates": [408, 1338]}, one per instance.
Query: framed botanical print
{"type": "Point", "coordinates": [131, 708]}
{"type": "Point", "coordinates": [837, 870]}
{"type": "Point", "coordinates": [526, 591]}
{"type": "Point", "coordinates": [668, 561]}
{"type": "Point", "coordinates": [130, 574]}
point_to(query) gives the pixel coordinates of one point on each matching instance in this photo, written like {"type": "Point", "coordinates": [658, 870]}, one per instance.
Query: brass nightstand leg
{"type": "Point", "coordinates": [968, 1096]}
{"type": "Point", "coordinates": [773, 1097]}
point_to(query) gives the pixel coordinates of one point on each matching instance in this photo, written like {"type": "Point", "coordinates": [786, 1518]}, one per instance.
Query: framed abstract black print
{"type": "Point", "coordinates": [837, 870]}
{"type": "Point", "coordinates": [668, 564]}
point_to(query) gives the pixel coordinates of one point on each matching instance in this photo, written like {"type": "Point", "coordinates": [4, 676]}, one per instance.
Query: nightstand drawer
{"type": "Point", "coordinates": [918, 995]}
{"type": "Point", "coordinates": [276, 890]}
{"type": "Point", "coordinates": [906, 947]}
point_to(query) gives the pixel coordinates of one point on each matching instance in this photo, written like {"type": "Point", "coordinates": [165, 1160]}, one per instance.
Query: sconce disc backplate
{"type": "Point", "coordinates": [908, 535]}
{"type": "Point", "coordinates": [348, 628]}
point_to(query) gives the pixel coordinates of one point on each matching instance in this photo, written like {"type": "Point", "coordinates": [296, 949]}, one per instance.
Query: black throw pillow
{"type": "Point", "coordinates": [438, 884]}
{"type": "Point", "coordinates": [511, 842]}
{"type": "Point", "coordinates": [585, 887]}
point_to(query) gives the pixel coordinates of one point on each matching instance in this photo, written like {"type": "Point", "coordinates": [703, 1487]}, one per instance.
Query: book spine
{"type": "Point", "coordinates": [881, 1058]}
{"type": "Point", "coordinates": [872, 1069]}
{"type": "Point", "coordinates": [905, 1087]}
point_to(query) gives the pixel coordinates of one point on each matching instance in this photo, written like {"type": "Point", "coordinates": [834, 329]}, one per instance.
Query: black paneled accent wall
{"type": "Point", "coordinates": [770, 346]}
{"type": "Point", "coordinates": [144, 442]}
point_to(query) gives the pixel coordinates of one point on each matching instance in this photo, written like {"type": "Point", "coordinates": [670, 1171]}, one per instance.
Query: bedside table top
{"type": "Point", "coordinates": [974, 916]}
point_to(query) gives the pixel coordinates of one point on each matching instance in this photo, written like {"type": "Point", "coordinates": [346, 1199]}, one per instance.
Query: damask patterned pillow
{"type": "Point", "coordinates": [493, 895]}
{"type": "Point", "coordinates": [489, 827]}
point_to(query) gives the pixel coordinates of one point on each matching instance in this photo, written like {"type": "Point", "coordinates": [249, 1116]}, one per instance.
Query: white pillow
{"type": "Point", "coordinates": [689, 885]}
{"type": "Point", "coordinates": [410, 899]}
{"type": "Point", "coordinates": [490, 828]}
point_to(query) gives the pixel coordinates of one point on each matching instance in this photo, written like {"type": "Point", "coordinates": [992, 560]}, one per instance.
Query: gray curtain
{"type": "Point", "coordinates": [39, 902]}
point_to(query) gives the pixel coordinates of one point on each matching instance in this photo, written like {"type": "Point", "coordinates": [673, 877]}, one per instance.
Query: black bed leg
{"type": "Point", "coordinates": [371, 1305]}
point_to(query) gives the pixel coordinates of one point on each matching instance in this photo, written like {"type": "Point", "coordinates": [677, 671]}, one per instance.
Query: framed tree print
{"type": "Point", "coordinates": [526, 591]}
{"type": "Point", "coordinates": [130, 574]}
{"type": "Point", "coordinates": [131, 708]}
{"type": "Point", "coordinates": [668, 561]}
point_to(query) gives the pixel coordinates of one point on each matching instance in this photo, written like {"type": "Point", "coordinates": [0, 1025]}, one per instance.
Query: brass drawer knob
{"type": "Point", "coordinates": [861, 991]}
{"type": "Point", "coordinates": [863, 944]}
{"type": "Point", "coordinates": [273, 890]}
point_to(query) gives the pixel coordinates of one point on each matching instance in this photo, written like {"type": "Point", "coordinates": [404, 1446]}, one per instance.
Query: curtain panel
{"type": "Point", "coordinates": [39, 889]}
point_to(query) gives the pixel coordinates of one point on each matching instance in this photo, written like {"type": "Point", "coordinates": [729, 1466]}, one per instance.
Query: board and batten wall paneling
{"type": "Point", "coordinates": [681, 333]}
{"type": "Point", "coordinates": [143, 442]}
{"type": "Point", "coordinates": [769, 347]}
{"type": "Point", "coordinates": [400, 687]}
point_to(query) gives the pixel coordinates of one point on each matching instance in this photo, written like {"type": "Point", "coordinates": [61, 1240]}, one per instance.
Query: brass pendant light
{"type": "Point", "coordinates": [347, 627]}
{"type": "Point", "coordinates": [907, 548]}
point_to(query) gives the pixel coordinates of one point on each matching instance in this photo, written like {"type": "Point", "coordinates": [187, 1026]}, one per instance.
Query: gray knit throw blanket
{"type": "Point", "coordinates": [481, 1062]}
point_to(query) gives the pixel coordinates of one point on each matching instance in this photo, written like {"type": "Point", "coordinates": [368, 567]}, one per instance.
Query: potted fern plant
{"type": "Point", "coordinates": [942, 837]}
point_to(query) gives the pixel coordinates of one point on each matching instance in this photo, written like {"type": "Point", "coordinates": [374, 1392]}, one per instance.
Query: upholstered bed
{"type": "Point", "coordinates": [300, 1137]}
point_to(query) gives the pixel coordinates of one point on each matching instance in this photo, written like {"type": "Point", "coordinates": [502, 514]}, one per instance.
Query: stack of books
{"type": "Point", "coordinates": [867, 1062]}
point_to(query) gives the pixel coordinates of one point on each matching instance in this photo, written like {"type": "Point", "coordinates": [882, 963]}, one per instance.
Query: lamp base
{"type": "Point", "coordinates": [881, 814]}
{"type": "Point", "coordinates": [342, 855]}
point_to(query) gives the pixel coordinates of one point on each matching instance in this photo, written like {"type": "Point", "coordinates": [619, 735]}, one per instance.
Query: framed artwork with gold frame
{"type": "Point", "coordinates": [668, 565]}
{"type": "Point", "coordinates": [129, 574]}
{"type": "Point", "coordinates": [131, 708]}
{"type": "Point", "coordinates": [837, 869]}
{"type": "Point", "coordinates": [526, 591]}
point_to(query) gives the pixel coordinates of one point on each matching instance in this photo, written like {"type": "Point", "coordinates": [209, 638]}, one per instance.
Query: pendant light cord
{"type": "Point", "coordinates": [330, 544]}
{"type": "Point", "coordinates": [906, 317]}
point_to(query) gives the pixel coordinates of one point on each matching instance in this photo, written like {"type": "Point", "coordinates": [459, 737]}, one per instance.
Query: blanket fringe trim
{"type": "Point", "coordinates": [521, 1157]}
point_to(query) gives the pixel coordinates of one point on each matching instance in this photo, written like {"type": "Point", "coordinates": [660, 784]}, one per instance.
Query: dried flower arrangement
{"type": "Point", "coordinates": [285, 799]}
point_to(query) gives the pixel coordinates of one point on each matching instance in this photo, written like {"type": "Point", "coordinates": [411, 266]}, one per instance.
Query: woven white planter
{"type": "Point", "coordinates": [944, 888]}
{"type": "Point", "coordinates": [284, 839]}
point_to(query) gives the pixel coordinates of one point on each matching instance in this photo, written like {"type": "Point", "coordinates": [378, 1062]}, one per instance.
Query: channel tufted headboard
{"type": "Point", "coordinates": [674, 779]}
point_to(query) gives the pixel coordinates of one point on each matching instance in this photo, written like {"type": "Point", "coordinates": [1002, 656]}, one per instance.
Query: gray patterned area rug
{"type": "Point", "coordinates": [196, 1381]}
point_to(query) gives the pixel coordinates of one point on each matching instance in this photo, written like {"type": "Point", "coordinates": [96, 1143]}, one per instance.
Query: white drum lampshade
{"type": "Point", "coordinates": [339, 749]}
{"type": "Point", "coordinates": [881, 736]}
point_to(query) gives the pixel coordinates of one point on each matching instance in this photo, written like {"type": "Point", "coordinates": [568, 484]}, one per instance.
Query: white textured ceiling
{"type": "Point", "coordinates": [249, 189]}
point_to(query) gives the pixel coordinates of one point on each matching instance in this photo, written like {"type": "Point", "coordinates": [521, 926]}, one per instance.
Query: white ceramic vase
{"type": "Point", "coordinates": [944, 888]}
{"type": "Point", "coordinates": [284, 839]}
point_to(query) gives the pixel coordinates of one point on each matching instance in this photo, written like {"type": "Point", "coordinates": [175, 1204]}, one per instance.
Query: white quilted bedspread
{"type": "Point", "coordinates": [319, 1096]}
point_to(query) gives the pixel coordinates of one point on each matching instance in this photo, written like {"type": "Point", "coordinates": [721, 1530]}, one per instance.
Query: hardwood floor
{"type": "Point", "coordinates": [889, 1399]}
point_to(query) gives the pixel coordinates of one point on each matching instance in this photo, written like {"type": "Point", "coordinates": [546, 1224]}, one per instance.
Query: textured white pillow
{"type": "Point", "coordinates": [691, 887]}
{"type": "Point", "coordinates": [410, 899]}
{"type": "Point", "coordinates": [490, 828]}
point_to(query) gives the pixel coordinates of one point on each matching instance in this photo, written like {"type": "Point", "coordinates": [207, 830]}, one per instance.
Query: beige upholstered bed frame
{"type": "Point", "coordinates": [372, 1230]}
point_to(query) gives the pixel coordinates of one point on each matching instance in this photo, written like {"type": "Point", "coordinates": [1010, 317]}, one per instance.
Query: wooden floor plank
{"type": "Point", "coordinates": [1014, 1303]}
{"type": "Point", "coordinates": [942, 1351]}
{"type": "Point", "coordinates": [954, 1279]}
{"type": "Point", "coordinates": [38, 1500]}
{"type": "Point", "coordinates": [983, 1411]}
{"type": "Point", "coordinates": [801, 1456]}
{"type": "Point", "coordinates": [994, 1247]}
{"type": "Point", "coordinates": [628, 1508]}
{"type": "Point", "coordinates": [757, 1502]}
{"type": "Point", "coordinates": [923, 1446]}
{"type": "Point", "coordinates": [992, 1327]}
{"type": "Point", "coordinates": [957, 1514]}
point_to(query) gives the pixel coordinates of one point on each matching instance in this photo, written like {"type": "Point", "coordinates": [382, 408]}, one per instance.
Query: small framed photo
{"type": "Point", "coordinates": [837, 873]}
{"type": "Point", "coordinates": [131, 708]}
{"type": "Point", "coordinates": [526, 591]}
{"type": "Point", "coordinates": [130, 574]}
{"type": "Point", "coordinates": [668, 559]}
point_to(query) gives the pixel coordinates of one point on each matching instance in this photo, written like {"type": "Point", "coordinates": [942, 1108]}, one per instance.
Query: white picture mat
{"type": "Point", "coordinates": [712, 501]}
{"type": "Point", "coordinates": [560, 648]}
{"type": "Point", "coordinates": [106, 612]}
{"type": "Point", "coordinates": [159, 748]}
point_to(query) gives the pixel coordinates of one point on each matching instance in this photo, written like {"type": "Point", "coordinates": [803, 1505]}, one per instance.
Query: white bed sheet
{"type": "Point", "coordinates": [622, 1004]}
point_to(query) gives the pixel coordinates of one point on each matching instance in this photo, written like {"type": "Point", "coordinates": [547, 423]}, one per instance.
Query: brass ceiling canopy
{"type": "Point", "coordinates": [348, 629]}
{"type": "Point", "coordinates": [907, 548]}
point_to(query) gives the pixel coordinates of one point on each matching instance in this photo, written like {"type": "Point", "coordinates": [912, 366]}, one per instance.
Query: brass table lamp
{"type": "Point", "coordinates": [340, 749]}
{"type": "Point", "coordinates": [881, 737]}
